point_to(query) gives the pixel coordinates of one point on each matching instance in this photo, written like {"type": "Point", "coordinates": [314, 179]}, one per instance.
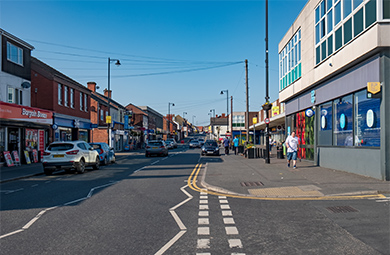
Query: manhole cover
{"type": "Point", "coordinates": [341, 209]}
{"type": "Point", "coordinates": [251, 184]}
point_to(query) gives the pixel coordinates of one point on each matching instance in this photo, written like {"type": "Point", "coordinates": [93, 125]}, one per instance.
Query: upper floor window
{"type": "Point", "coordinates": [72, 98]}
{"type": "Point", "coordinates": [101, 115]}
{"type": "Point", "coordinates": [85, 102]}
{"type": "Point", "coordinates": [65, 95]}
{"type": "Point", "coordinates": [15, 96]}
{"type": "Point", "coordinates": [59, 94]}
{"type": "Point", "coordinates": [81, 101]}
{"type": "Point", "coordinates": [337, 22]}
{"type": "Point", "coordinates": [14, 54]}
{"type": "Point", "coordinates": [290, 61]}
{"type": "Point", "coordinates": [10, 95]}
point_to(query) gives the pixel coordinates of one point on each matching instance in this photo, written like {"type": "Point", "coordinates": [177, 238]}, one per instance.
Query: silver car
{"type": "Point", "coordinates": [156, 147]}
{"type": "Point", "coordinates": [68, 155]}
{"type": "Point", "coordinates": [194, 144]}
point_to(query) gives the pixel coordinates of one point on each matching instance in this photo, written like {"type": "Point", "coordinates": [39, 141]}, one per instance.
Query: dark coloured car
{"type": "Point", "coordinates": [210, 147]}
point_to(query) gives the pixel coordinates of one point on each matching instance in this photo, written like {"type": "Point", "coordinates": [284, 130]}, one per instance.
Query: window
{"type": "Point", "coordinates": [318, 55]}
{"type": "Point", "coordinates": [371, 12]}
{"type": "Point", "coordinates": [72, 98]}
{"type": "Point", "coordinates": [101, 115]}
{"type": "Point", "coordinates": [330, 45]}
{"type": "Point", "coordinates": [290, 61]}
{"type": "Point", "coordinates": [343, 121]}
{"type": "Point", "coordinates": [11, 92]}
{"type": "Point", "coordinates": [65, 95]}
{"type": "Point", "coordinates": [59, 94]}
{"type": "Point", "coordinates": [337, 13]}
{"type": "Point", "coordinates": [348, 31]}
{"type": "Point", "coordinates": [323, 50]}
{"type": "Point", "coordinates": [358, 22]}
{"type": "Point", "coordinates": [330, 21]}
{"type": "Point", "coordinates": [81, 101]}
{"type": "Point", "coordinates": [14, 53]}
{"type": "Point", "coordinates": [386, 9]}
{"type": "Point", "coordinates": [367, 120]}
{"type": "Point", "coordinates": [85, 102]}
{"type": "Point", "coordinates": [325, 130]}
{"type": "Point", "coordinates": [347, 8]}
{"type": "Point", "coordinates": [356, 3]}
{"type": "Point", "coordinates": [18, 96]}
{"type": "Point", "coordinates": [338, 38]}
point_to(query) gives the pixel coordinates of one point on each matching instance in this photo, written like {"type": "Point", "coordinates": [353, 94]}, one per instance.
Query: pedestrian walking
{"type": "Point", "coordinates": [235, 144]}
{"type": "Point", "coordinates": [226, 144]}
{"type": "Point", "coordinates": [292, 148]}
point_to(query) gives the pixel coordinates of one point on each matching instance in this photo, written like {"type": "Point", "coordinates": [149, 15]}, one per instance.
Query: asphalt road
{"type": "Point", "coordinates": [144, 206]}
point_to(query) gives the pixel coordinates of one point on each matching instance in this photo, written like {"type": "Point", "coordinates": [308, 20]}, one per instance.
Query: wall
{"type": "Point", "coordinates": [365, 162]}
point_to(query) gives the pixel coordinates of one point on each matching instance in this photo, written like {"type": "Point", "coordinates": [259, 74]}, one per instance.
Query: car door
{"type": "Point", "coordinates": [83, 151]}
{"type": "Point", "coordinates": [91, 152]}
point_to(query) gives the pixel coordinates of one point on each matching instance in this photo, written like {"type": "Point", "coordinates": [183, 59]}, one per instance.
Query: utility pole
{"type": "Point", "coordinates": [267, 106]}
{"type": "Point", "coordinates": [231, 117]}
{"type": "Point", "coordinates": [247, 102]}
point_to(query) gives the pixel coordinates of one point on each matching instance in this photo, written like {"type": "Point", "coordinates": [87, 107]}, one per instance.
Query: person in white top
{"type": "Point", "coordinates": [292, 148]}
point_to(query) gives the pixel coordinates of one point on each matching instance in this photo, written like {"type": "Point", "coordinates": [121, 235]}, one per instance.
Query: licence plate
{"type": "Point", "coordinates": [210, 152]}
{"type": "Point", "coordinates": [154, 147]}
{"type": "Point", "coordinates": [58, 156]}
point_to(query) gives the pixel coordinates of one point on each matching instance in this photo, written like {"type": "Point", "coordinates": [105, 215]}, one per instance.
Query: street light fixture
{"type": "Point", "coordinates": [185, 122]}
{"type": "Point", "coordinates": [213, 110]}
{"type": "Point", "coordinates": [118, 63]}
{"type": "Point", "coordinates": [227, 100]}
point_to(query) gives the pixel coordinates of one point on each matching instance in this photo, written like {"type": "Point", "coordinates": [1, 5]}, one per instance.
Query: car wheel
{"type": "Point", "coordinates": [48, 171]}
{"type": "Point", "coordinates": [96, 166]}
{"type": "Point", "coordinates": [80, 168]}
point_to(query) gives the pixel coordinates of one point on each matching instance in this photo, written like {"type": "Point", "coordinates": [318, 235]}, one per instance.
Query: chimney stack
{"type": "Point", "coordinates": [107, 93]}
{"type": "Point", "coordinates": [92, 86]}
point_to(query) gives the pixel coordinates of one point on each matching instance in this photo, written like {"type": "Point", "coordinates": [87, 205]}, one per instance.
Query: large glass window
{"type": "Point", "coordinates": [386, 9]}
{"type": "Point", "coordinates": [330, 45]}
{"type": "Point", "coordinates": [348, 31]}
{"type": "Point", "coordinates": [367, 120]}
{"type": "Point", "coordinates": [325, 131]}
{"type": "Point", "coordinates": [14, 53]}
{"type": "Point", "coordinates": [337, 13]}
{"type": "Point", "coordinates": [371, 12]}
{"type": "Point", "coordinates": [358, 22]}
{"type": "Point", "coordinates": [343, 120]}
{"type": "Point", "coordinates": [347, 8]}
{"type": "Point", "coordinates": [356, 3]}
{"type": "Point", "coordinates": [290, 61]}
{"type": "Point", "coordinates": [339, 38]}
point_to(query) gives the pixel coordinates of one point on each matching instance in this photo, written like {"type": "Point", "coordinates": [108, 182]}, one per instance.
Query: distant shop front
{"type": "Point", "coordinates": [70, 128]}
{"type": "Point", "coordinates": [23, 128]}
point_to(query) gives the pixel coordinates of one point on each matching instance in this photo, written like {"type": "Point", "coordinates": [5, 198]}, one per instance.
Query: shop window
{"type": "Point", "coordinates": [348, 31]}
{"type": "Point", "coordinates": [343, 121]}
{"type": "Point", "coordinates": [371, 12]}
{"type": "Point", "coordinates": [325, 131]}
{"type": "Point", "coordinates": [367, 120]}
{"type": "Point", "coordinates": [358, 22]}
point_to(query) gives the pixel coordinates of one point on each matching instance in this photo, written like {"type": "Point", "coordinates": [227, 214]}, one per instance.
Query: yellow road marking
{"type": "Point", "coordinates": [194, 175]}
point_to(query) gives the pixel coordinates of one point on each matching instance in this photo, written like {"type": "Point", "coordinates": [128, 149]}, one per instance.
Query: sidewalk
{"type": "Point", "coordinates": [237, 175]}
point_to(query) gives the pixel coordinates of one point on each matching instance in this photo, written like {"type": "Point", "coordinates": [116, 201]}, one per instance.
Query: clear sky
{"type": "Point", "coordinates": [183, 52]}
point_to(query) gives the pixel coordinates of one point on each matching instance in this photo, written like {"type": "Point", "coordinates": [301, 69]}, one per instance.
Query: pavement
{"type": "Point", "coordinates": [238, 176]}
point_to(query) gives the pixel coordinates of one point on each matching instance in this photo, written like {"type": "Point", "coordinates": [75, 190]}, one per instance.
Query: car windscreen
{"type": "Point", "coordinates": [155, 143]}
{"type": "Point", "coordinates": [211, 144]}
{"type": "Point", "coordinates": [60, 147]}
{"type": "Point", "coordinates": [96, 146]}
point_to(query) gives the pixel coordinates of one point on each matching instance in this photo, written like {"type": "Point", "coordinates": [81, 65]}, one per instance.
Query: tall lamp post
{"type": "Point", "coordinates": [117, 63]}
{"type": "Point", "coordinates": [193, 120]}
{"type": "Point", "coordinates": [185, 122]}
{"type": "Point", "coordinates": [227, 107]}
{"type": "Point", "coordinates": [213, 111]}
{"type": "Point", "coordinates": [169, 116]}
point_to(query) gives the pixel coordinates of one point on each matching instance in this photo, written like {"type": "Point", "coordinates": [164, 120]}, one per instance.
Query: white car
{"type": "Point", "coordinates": [68, 155]}
{"type": "Point", "coordinates": [174, 143]}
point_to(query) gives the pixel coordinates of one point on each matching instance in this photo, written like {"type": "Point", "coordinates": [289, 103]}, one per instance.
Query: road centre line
{"type": "Point", "coordinates": [155, 162]}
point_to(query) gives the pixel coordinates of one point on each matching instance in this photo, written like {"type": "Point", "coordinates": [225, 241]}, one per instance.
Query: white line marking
{"type": "Point", "coordinates": [16, 190]}
{"type": "Point", "coordinates": [35, 185]}
{"type": "Point", "coordinates": [182, 227]}
{"type": "Point", "coordinates": [204, 213]}
{"type": "Point", "coordinates": [203, 197]}
{"type": "Point", "coordinates": [203, 193]}
{"type": "Point", "coordinates": [228, 221]}
{"type": "Point", "coordinates": [235, 243]}
{"type": "Point", "coordinates": [155, 162]}
{"type": "Point", "coordinates": [98, 187]}
{"type": "Point", "coordinates": [203, 201]}
{"type": "Point", "coordinates": [37, 217]}
{"type": "Point", "coordinates": [225, 207]}
{"type": "Point", "coordinates": [203, 253]}
{"type": "Point", "coordinates": [221, 197]}
{"type": "Point", "coordinates": [136, 171]}
{"type": "Point", "coordinates": [203, 221]}
{"type": "Point", "coordinates": [227, 213]}
{"type": "Point", "coordinates": [12, 233]}
{"type": "Point", "coordinates": [223, 202]}
{"type": "Point", "coordinates": [203, 231]}
{"type": "Point", "coordinates": [75, 201]}
{"type": "Point", "coordinates": [203, 244]}
{"type": "Point", "coordinates": [231, 230]}
{"type": "Point", "coordinates": [382, 201]}
{"type": "Point", "coordinates": [47, 181]}
{"type": "Point", "coordinates": [203, 207]}
{"type": "Point", "coordinates": [234, 253]}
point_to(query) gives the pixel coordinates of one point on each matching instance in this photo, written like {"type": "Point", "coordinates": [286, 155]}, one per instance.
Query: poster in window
{"type": "Point", "coordinates": [35, 156]}
{"type": "Point", "coordinates": [16, 157]}
{"type": "Point", "coordinates": [31, 139]}
{"type": "Point", "coordinates": [27, 156]}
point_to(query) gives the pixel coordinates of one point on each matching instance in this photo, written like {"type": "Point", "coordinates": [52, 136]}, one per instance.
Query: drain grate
{"type": "Point", "coordinates": [341, 209]}
{"type": "Point", "coordinates": [251, 184]}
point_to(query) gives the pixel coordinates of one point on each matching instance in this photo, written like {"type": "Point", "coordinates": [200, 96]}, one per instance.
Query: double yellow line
{"type": "Point", "coordinates": [195, 173]}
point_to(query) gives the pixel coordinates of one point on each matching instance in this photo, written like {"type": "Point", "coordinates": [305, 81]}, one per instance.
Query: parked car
{"type": "Point", "coordinates": [68, 155]}
{"type": "Point", "coordinates": [210, 147]}
{"type": "Point", "coordinates": [174, 143]}
{"type": "Point", "coordinates": [106, 153]}
{"type": "Point", "coordinates": [156, 147]}
{"type": "Point", "coordinates": [201, 141]}
{"type": "Point", "coordinates": [194, 144]}
{"type": "Point", "coordinates": [169, 144]}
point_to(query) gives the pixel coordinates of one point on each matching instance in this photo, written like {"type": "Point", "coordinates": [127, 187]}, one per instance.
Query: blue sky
{"type": "Point", "coordinates": [184, 52]}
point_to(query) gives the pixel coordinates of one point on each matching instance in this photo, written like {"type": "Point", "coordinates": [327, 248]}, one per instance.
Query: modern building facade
{"type": "Point", "coordinates": [334, 67]}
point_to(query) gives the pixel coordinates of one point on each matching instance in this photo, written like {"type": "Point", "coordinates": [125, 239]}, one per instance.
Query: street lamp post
{"type": "Point", "coordinates": [185, 122]}
{"type": "Point", "coordinates": [193, 120]}
{"type": "Point", "coordinates": [169, 116]}
{"type": "Point", "coordinates": [118, 63]}
{"type": "Point", "coordinates": [227, 100]}
{"type": "Point", "coordinates": [213, 111]}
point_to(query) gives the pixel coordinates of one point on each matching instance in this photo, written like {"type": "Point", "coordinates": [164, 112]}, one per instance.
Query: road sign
{"type": "Point", "coordinates": [266, 120]}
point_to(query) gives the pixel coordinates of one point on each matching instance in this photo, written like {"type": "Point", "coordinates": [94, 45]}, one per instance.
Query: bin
{"type": "Point", "coordinates": [240, 149]}
{"type": "Point", "coordinates": [280, 152]}
{"type": "Point", "coordinates": [251, 153]}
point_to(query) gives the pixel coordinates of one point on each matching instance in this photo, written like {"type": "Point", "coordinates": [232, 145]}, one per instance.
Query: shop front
{"type": "Point", "coordinates": [70, 128]}
{"type": "Point", "coordinates": [23, 128]}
